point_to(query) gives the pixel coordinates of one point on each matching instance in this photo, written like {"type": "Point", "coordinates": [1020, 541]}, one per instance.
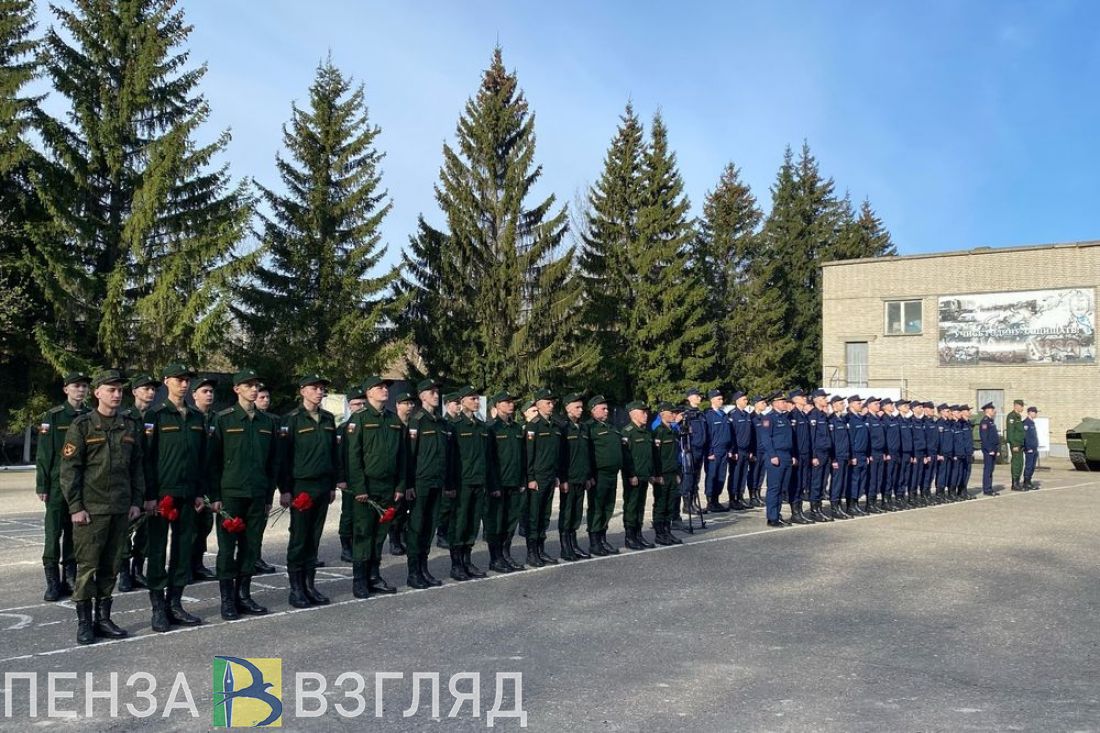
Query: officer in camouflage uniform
{"type": "Point", "coordinates": [428, 471]}
{"type": "Point", "coordinates": [666, 490]}
{"type": "Point", "coordinates": [639, 472]}
{"type": "Point", "coordinates": [202, 394]}
{"type": "Point", "coordinates": [52, 427]}
{"type": "Point", "coordinates": [175, 466]}
{"type": "Point", "coordinates": [244, 466]}
{"type": "Point", "coordinates": [377, 473]}
{"type": "Point", "coordinates": [470, 476]}
{"type": "Point", "coordinates": [143, 388]}
{"type": "Point", "coordinates": [577, 479]}
{"type": "Point", "coordinates": [103, 481]}
{"type": "Point", "coordinates": [1014, 436]}
{"type": "Point", "coordinates": [507, 467]}
{"type": "Point", "coordinates": [356, 402]}
{"type": "Point", "coordinates": [309, 461]}
{"type": "Point", "coordinates": [545, 470]}
{"type": "Point", "coordinates": [451, 411]}
{"type": "Point", "coordinates": [607, 461]}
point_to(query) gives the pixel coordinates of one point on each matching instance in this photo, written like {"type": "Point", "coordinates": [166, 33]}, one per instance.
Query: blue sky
{"type": "Point", "coordinates": [966, 123]}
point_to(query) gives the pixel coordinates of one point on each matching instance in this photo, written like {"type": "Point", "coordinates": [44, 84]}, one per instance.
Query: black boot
{"type": "Point", "coordinates": [458, 570]}
{"type": "Point", "coordinates": [245, 604]}
{"type": "Point", "coordinates": [595, 547]}
{"type": "Point", "coordinates": [375, 580]}
{"type": "Point", "coordinates": [359, 586]}
{"type": "Point", "coordinates": [441, 539]}
{"type": "Point", "coordinates": [797, 517]}
{"type": "Point", "coordinates": [852, 507]}
{"type": "Point", "coordinates": [68, 578]}
{"type": "Point", "coordinates": [630, 541]}
{"type": "Point", "coordinates": [175, 611]}
{"type": "Point", "coordinates": [506, 552]}
{"type": "Point", "coordinates": [160, 613]}
{"type": "Point", "coordinates": [817, 514]}
{"type": "Point", "coordinates": [397, 546]}
{"type": "Point", "coordinates": [263, 567]}
{"type": "Point", "coordinates": [309, 585]}
{"type": "Point", "coordinates": [639, 535]}
{"type": "Point", "coordinates": [609, 548]}
{"type": "Point", "coordinates": [85, 633]}
{"type": "Point", "coordinates": [579, 551]}
{"type": "Point", "coordinates": [871, 507]}
{"type": "Point", "coordinates": [836, 511]}
{"type": "Point", "coordinates": [297, 597]}
{"type": "Point", "coordinates": [566, 547]}
{"type": "Point", "coordinates": [715, 506]}
{"type": "Point", "coordinates": [533, 558]}
{"type": "Point", "coordinates": [102, 623]}
{"type": "Point", "coordinates": [467, 562]}
{"type": "Point", "coordinates": [548, 559]}
{"type": "Point", "coordinates": [125, 582]}
{"type": "Point", "coordinates": [496, 558]}
{"type": "Point", "coordinates": [53, 583]}
{"type": "Point", "coordinates": [345, 549]}
{"type": "Point", "coordinates": [135, 571]}
{"type": "Point", "coordinates": [229, 602]}
{"type": "Point", "coordinates": [415, 579]}
{"type": "Point", "coordinates": [659, 528]}
{"type": "Point", "coordinates": [672, 539]}
{"type": "Point", "coordinates": [428, 577]}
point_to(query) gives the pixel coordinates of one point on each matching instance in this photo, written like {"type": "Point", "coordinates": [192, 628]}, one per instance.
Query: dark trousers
{"type": "Point", "coordinates": [204, 525]}
{"type": "Point", "coordinates": [716, 473]}
{"type": "Point", "coordinates": [943, 467]}
{"type": "Point", "coordinates": [170, 547]}
{"type": "Point", "coordinates": [306, 529]}
{"type": "Point", "coordinates": [857, 478]}
{"type": "Point", "coordinates": [876, 477]}
{"type": "Point", "coordinates": [779, 479]}
{"type": "Point", "coordinates": [469, 506]}
{"type": "Point", "coordinates": [601, 501]}
{"type": "Point", "coordinates": [905, 475]}
{"type": "Point", "coordinates": [1030, 457]}
{"type": "Point", "coordinates": [817, 477]}
{"type": "Point", "coordinates": [346, 507]}
{"type": "Point", "coordinates": [966, 465]}
{"type": "Point", "coordinates": [237, 552]}
{"type": "Point", "coordinates": [665, 498]}
{"type": "Point", "coordinates": [367, 532]}
{"type": "Point", "coordinates": [738, 470]}
{"type": "Point", "coordinates": [98, 548]}
{"type": "Point", "coordinates": [757, 472]}
{"type": "Point", "coordinates": [502, 513]}
{"type": "Point", "coordinates": [838, 482]}
{"type": "Point", "coordinates": [59, 530]}
{"type": "Point", "coordinates": [571, 507]}
{"type": "Point", "coordinates": [988, 464]}
{"type": "Point", "coordinates": [634, 503]}
{"type": "Point", "coordinates": [539, 503]}
{"type": "Point", "coordinates": [421, 523]}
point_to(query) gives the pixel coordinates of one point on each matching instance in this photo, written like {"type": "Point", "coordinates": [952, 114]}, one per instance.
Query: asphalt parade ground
{"type": "Point", "coordinates": [978, 615]}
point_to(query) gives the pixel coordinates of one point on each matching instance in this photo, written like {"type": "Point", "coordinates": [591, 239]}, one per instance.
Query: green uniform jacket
{"type": "Point", "coordinates": [430, 460]}
{"type": "Point", "coordinates": [52, 427]}
{"type": "Point", "coordinates": [175, 453]}
{"type": "Point", "coordinates": [309, 457]}
{"type": "Point", "coordinates": [607, 446]}
{"type": "Point", "coordinates": [578, 457]}
{"type": "Point", "coordinates": [639, 454]}
{"type": "Point", "coordinates": [544, 450]}
{"type": "Point", "coordinates": [667, 444]}
{"type": "Point", "coordinates": [243, 455]}
{"type": "Point", "coordinates": [377, 453]}
{"type": "Point", "coordinates": [1014, 429]}
{"type": "Point", "coordinates": [471, 438]}
{"type": "Point", "coordinates": [102, 467]}
{"type": "Point", "coordinates": [507, 455]}
{"type": "Point", "coordinates": [342, 451]}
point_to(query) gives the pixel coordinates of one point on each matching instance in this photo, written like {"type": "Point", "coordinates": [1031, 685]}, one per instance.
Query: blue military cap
{"type": "Point", "coordinates": [819, 393]}
{"type": "Point", "coordinates": [1033, 409]}
{"type": "Point", "coordinates": [759, 398]}
{"type": "Point", "coordinates": [795, 393]}
{"type": "Point", "coordinates": [902, 402]}
{"type": "Point", "coordinates": [930, 405]}
{"type": "Point", "coordinates": [886, 401]}
{"type": "Point", "coordinates": [965, 408]}
{"type": "Point", "coordinates": [943, 406]}
{"type": "Point", "coordinates": [693, 391]}
{"type": "Point", "coordinates": [836, 398]}
{"type": "Point", "coordinates": [737, 395]}
{"type": "Point", "coordinates": [855, 398]}
{"type": "Point", "coordinates": [989, 406]}
{"type": "Point", "coordinates": [714, 393]}
{"type": "Point", "coordinates": [776, 395]}
{"type": "Point", "coordinates": [871, 398]}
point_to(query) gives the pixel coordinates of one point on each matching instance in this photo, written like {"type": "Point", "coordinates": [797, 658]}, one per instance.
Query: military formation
{"type": "Point", "coordinates": [131, 495]}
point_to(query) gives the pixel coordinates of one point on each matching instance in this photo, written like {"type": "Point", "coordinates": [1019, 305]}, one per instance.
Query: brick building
{"type": "Point", "coordinates": [974, 326]}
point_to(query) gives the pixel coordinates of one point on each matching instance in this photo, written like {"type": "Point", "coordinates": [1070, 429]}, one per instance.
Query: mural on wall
{"type": "Point", "coordinates": [1025, 327]}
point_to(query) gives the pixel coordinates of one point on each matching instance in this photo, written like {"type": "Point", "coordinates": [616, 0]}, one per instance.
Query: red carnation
{"type": "Point", "coordinates": [171, 515]}
{"type": "Point", "coordinates": [233, 525]}
{"type": "Point", "coordinates": [165, 505]}
{"type": "Point", "coordinates": [388, 515]}
{"type": "Point", "coordinates": [302, 502]}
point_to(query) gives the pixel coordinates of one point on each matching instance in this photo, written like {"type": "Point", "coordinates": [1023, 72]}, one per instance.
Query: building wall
{"type": "Point", "coordinates": [853, 309]}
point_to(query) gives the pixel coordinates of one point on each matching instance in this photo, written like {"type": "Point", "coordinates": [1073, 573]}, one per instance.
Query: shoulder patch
{"type": "Point", "coordinates": [766, 422]}
{"type": "Point", "coordinates": [55, 410]}
{"type": "Point", "coordinates": [69, 450]}
{"type": "Point", "coordinates": [226, 411]}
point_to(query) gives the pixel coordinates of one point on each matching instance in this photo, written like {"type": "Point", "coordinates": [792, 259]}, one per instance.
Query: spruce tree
{"type": "Point", "coordinates": [861, 236]}
{"type": "Point", "coordinates": [140, 254]}
{"type": "Point", "coordinates": [505, 302]}
{"type": "Point", "coordinates": [320, 302]}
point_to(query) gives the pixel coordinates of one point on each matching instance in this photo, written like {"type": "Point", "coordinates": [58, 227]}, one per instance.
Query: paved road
{"type": "Point", "coordinates": [972, 616]}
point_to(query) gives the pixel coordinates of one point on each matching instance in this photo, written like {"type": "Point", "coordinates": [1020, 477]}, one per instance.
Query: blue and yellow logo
{"type": "Point", "coordinates": [248, 693]}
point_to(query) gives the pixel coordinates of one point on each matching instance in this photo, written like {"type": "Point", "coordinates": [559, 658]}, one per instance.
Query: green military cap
{"type": "Point", "coordinates": [355, 392]}
{"type": "Point", "coordinates": [142, 380]}
{"type": "Point", "coordinates": [245, 375]}
{"type": "Point", "coordinates": [597, 400]}
{"type": "Point", "coordinates": [450, 397]}
{"type": "Point", "coordinates": [405, 396]}
{"type": "Point", "coordinates": [503, 396]}
{"type": "Point", "coordinates": [179, 369]}
{"type": "Point", "coordinates": [203, 381]}
{"type": "Point", "coordinates": [666, 407]}
{"type": "Point", "coordinates": [424, 384]}
{"type": "Point", "coordinates": [313, 379]}
{"type": "Point", "coordinates": [74, 377]}
{"type": "Point", "coordinates": [572, 397]}
{"type": "Point", "coordinates": [543, 394]}
{"type": "Point", "coordinates": [108, 376]}
{"type": "Point", "coordinates": [467, 391]}
{"type": "Point", "coordinates": [374, 380]}
{"type": "Point", "coordinates": [636, 405]}
{"type": "Point", "coordinates": [1018, 402]}
{"type": "Point", "coordinates": [527, 405]}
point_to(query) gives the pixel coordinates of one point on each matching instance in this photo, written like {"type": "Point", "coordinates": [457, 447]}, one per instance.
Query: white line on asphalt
{"type": "Point", "coordinates": [490, 578]}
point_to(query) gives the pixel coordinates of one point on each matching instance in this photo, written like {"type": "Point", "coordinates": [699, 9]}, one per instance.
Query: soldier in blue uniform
{"type": "Point", "coordinates": [696, 426]}
{"type": "Point", "coordinates": [920, 455]}
{"type": "Point", "coordinates": [891, 425]}
{"type": "Point", "coordinates": [756, 463]}
{"type": "Point", "coordinates": [931, 449]}
{"type": "Point", "coordinates": [905, 458]}
{"type": "Point", "coordinates": [841, 456]}
{"type": "Point", "coordinates": [991, 445]}
{"type": "Point", "coordinates": [944, 453]}
{"type": "Point", "coordinates": [799, 480]}
{"type": "Point", "coordinates": [876, 474]}
{"type": "Point", "coordinates": [1031, 447]}
{"type": "Point", "coordinates": [776, 445]}
{"type": "Point", "coordinates": [719, 440]}
{"type": "Point", "coordinates": [860, 440]}
{"type": "Point", "coordinates": [964, 450]}
{"type": "Point", "coordinates": [740, 456]}
{"type": "Point", "coordinates": [820, 453]}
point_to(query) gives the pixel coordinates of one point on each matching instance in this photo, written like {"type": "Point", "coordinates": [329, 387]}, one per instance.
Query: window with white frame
{"type": "Point", "coordinates": [904, 317]}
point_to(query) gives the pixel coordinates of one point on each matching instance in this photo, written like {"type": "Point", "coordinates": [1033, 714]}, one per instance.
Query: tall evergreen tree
{"type": "Point", "coordinates": [723, 253]}
{"type": "Point", "coordinates": [314, 305]}
{"type": "Point", "coordinates": [861, 236]}
{"type": "Point", "coordinates": [502, 274]}
{"type": "Point", "coordinates": [139, 258]}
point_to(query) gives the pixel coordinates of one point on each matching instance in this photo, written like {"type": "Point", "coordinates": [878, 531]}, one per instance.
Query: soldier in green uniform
{"type": "Point", "coordinates": [1014, 435]}
{"type": "Point", "coordinates": [103, 480]}
{"type": "Point", "coordinates": [428, 470]}
{"type": "Point", "coordinates": [263, 404]}
{"type": "Point", "coordinates": [528, 413]}
{"type": "Point", "coordinates": [451, 411]}
{"type": "Point", "coordinates": [544, 472]}
{"type": "Point", "coordinates": [58, 547]}
{"type": "Point", "coordinates": [309, 460]}
{"type": "Point", "coordinates": [243, 466]}
{"type": "Point", "coordinates": [143, 388]}
{"type": "Point", "coordinates": [377, 472]}
{"type": "Point", "coordinates": [202, 394]}
{"type": "Point", "coordinates": [666, 489]}
{"type": "Point", "coordinates": [356, 402]}
{"type": "Point", "coordinates": [175, 466]}
{"type": "Point", "coordinates": [577, 479]}
{"type": "Point", "coordinates": [607, 461]}
{"type": "Point", "coordinates": [404, 405]}
{"type": "Point", "coordinates": [504, 503]}
{"type": "Point", "coordinates": [471, 476]}
{"type": "Point", "coordinates": [639, 471]}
